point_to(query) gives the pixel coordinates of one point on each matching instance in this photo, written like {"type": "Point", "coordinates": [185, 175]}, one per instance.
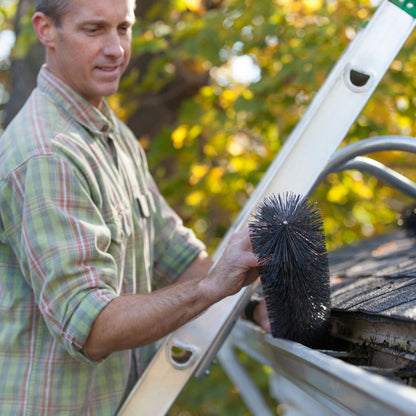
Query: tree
{"type": "Point", "coordinates": [226, 135]}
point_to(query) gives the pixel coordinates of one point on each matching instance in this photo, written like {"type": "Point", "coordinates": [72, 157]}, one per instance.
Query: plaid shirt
{"type": "Point", "coordinates": [81, 222]}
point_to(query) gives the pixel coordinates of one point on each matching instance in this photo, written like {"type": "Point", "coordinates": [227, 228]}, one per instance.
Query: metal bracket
{"type": "Point", "coordinates": [409, 6]}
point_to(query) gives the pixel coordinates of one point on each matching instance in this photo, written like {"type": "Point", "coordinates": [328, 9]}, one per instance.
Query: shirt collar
{"type": "Point", "coordinates": [97, 121]}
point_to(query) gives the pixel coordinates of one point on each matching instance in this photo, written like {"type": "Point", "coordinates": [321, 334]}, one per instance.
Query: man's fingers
{"type": "Point", "coordinates": [242, 239]}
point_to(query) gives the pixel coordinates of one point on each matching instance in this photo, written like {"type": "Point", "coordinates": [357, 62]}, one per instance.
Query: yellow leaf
{"type": "Point", "coordinates": [362, 14]}
{"type": "Point", "coordinates": [214, 179]}
{"type": "Point", "coordinates": [195, 5]}
{"type": "Point", "coordinates": [286, 59]}
{"type": "Point", "coordinates": [227, 97]}
{"type": "Point", "coordinates": [240, 164]}
{"type": "Point", "coordinates": [148, 35]}
{"type": "Point", "coordinates": [247, 94]}
{"type": "Point", "coordinates": [179, 135]}
{"type": "Point", "coordinates": [207, 91]}
{"type": "Point", "coordinates": [210, 150]}
{"type": "Point", "coordinates": [405, 124]}
{"type": "Point", "coordinates": [312, 5]}
{"type": "Point", "coordinates": [363, 190]}
{"type": "Point", "coordinates": [295, 42]}
{"type": "Point", "coordinates": [194, 198]}
{"type": "Point", "coordinates": [117, 107]}
{"type": "Point", "coordinates": [197, 172]}
{"type": "Point", "coordinates": [337, 194]}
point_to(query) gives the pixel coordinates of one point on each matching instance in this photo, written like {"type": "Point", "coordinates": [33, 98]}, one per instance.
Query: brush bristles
{"type": "Point", "coordinates": [288, 238]}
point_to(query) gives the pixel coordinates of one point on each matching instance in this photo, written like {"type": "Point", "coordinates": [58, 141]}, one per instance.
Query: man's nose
{"type": "Point", "coordinates": [113, 45]}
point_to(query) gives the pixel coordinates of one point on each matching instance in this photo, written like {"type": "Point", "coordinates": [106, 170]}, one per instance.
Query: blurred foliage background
{"type": "Point", "coordinates": [213, 90]}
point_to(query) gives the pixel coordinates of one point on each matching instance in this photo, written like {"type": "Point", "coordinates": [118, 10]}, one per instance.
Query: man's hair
{"type": "Point", "coordinates": [54, 9]}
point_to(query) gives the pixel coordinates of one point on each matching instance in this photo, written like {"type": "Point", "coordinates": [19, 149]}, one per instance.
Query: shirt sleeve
{"type": "Point", "coordinates": [175, 245]}
{"type": "Point", "coordinates": [61, 242]}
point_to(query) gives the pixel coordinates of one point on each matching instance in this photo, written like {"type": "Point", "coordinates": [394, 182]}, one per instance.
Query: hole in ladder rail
{"type": "Point", "coordinates": [358, 79]}
{"type": "Point", "coordinates": [182, 355]}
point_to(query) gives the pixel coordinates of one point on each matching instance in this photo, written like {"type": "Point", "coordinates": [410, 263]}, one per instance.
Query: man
{"type": "Point", "coordinates": [84, 232]}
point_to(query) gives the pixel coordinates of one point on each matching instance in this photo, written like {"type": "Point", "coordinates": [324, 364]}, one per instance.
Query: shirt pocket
{"type": "Point", "coordinates": [120, 225]}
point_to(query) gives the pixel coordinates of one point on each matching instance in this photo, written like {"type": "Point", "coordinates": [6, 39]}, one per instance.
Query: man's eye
{"type": "Point", "coordinates": [91, 30]}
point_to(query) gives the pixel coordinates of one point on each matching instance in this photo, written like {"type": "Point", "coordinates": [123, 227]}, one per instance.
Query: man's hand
{"type": "Point", "coordinates": [261, 317]}
{"type": "Point", "coordinates": [236, 268]}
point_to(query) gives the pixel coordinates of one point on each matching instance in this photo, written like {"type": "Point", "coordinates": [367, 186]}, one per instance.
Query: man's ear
{"type": "Point", "coordinates": [44, 28]}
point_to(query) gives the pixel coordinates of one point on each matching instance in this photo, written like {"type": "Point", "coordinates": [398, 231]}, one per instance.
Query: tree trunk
{"type": "Point", "coordinates": [23, 71]}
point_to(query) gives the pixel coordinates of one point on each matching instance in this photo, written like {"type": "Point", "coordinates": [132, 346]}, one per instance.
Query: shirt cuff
{"type": "Point", "coordinates": [81, 322]}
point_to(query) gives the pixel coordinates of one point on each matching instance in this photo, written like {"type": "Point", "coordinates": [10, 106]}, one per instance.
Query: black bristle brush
{"type": "Point", "coordinates": [288, 239]}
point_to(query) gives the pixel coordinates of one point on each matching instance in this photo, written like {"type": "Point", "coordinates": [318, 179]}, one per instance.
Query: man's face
{"type": "Point", "coordinates": [92, 46]}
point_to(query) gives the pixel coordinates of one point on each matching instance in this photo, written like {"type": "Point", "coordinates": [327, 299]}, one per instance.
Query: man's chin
{"type": "Point", "coordinates": [109, 90]}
